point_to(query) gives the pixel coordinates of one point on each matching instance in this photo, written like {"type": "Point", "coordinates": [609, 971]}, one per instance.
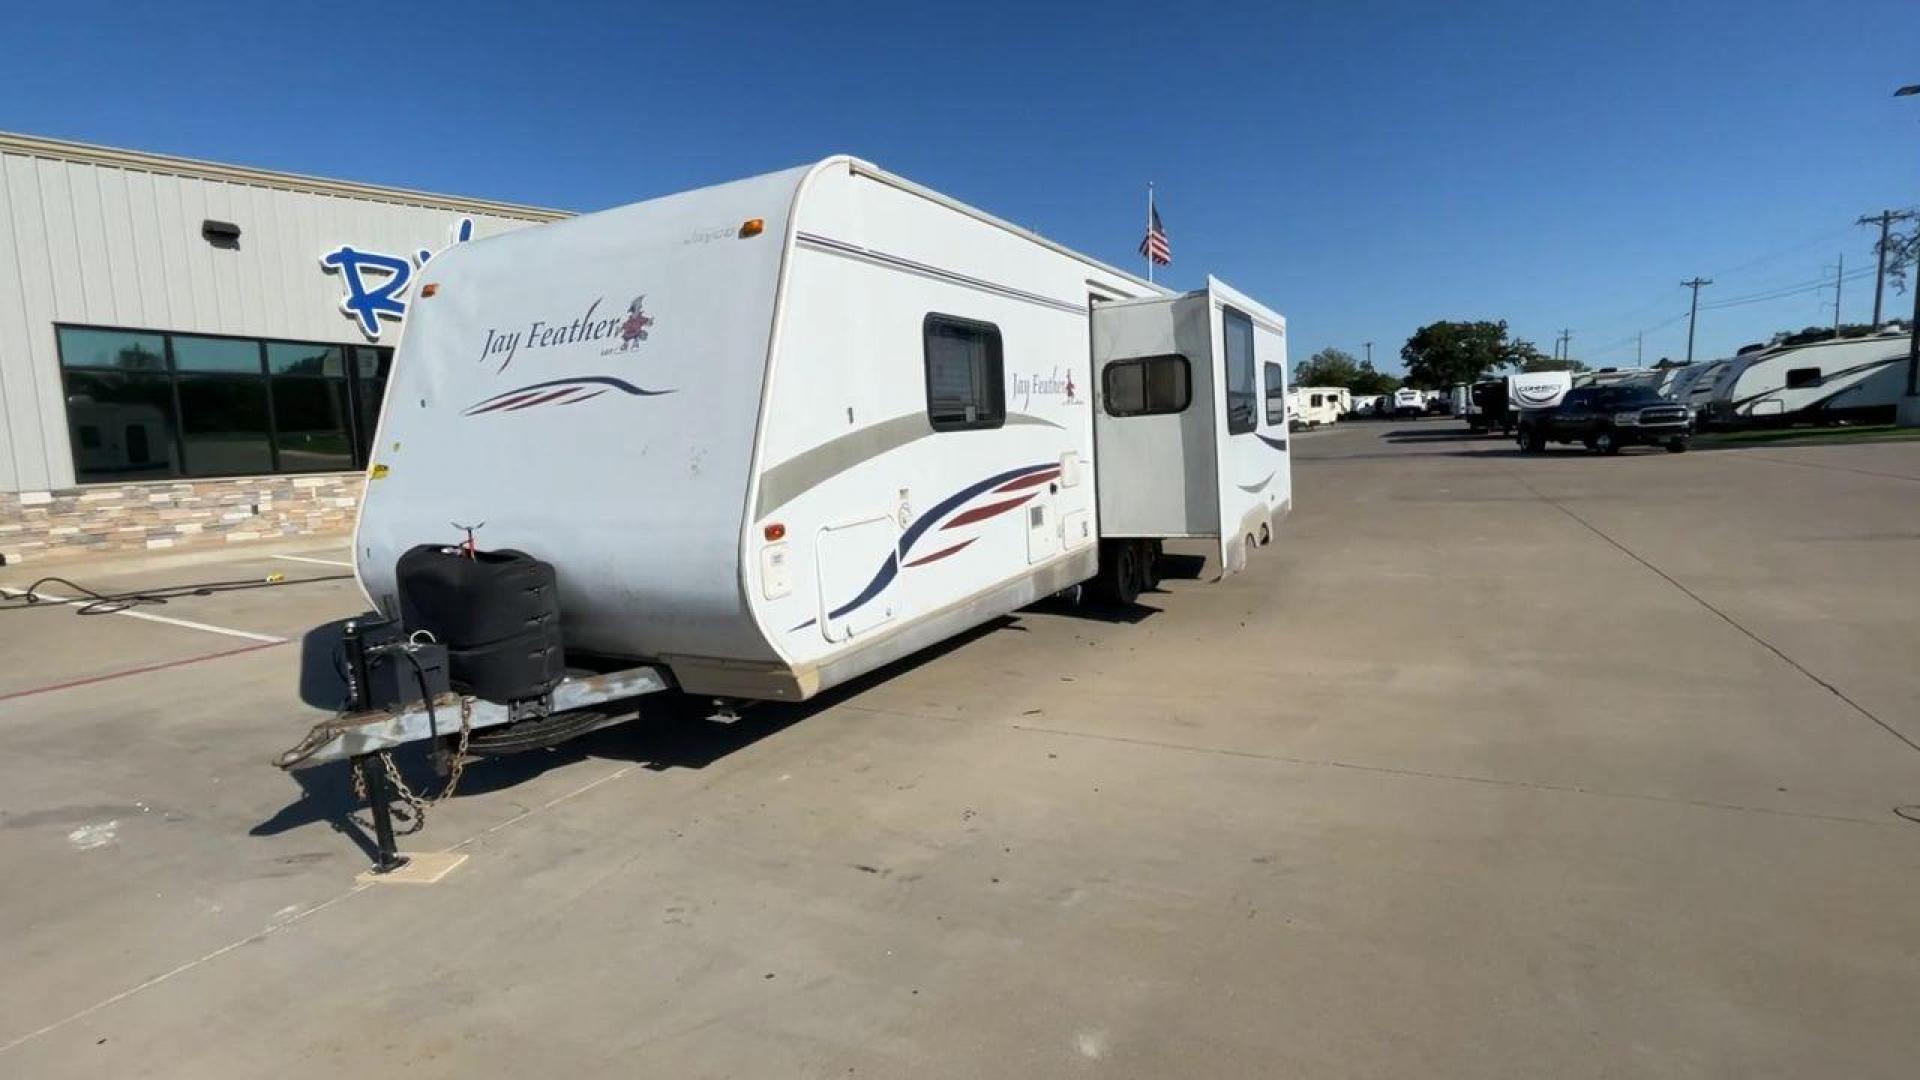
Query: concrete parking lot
{"type": "Point", "coordinates": [1492, 765]}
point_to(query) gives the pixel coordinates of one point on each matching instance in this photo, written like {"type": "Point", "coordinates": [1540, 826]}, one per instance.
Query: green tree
{"type": "Point", "coordinates": [1443, 353]}
{"type": "Point", "coordinates": [1328, 367]}
{"type": "Point", "coordinates": [1537, 362]}
{"type": "Point", "coordinates": [1369, 381]}
{"type": "Point", "coordinates": [1336, 367]}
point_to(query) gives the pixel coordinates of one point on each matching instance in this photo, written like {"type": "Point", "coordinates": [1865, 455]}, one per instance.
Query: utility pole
{"type": "Point", "coordinates": [1885, 220]}
{"type": "Point", "coordinates": [1909, 409]}
{"type": "Point", "coordinates": [1563, 345]}
{"type": "Point", "coordinates": [1839, 275]}
{"type": "Point", "coordinates": [1693, 313]}
{"type": "Point", "coordinates": [1369, 354]}
{"type": "Point", "coordinates": [1639, 348]}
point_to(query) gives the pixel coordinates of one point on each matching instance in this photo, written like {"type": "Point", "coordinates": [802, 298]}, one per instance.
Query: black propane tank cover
{"type": "Point", "coordinates": [497, 612]}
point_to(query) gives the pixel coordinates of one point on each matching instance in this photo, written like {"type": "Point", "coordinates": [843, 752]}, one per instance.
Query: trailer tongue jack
{"type": "Point", "coordinates": [387, 857]}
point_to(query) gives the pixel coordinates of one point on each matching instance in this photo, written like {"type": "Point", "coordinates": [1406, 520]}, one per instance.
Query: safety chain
{"type": "Point", "coordinates": [413, 808]}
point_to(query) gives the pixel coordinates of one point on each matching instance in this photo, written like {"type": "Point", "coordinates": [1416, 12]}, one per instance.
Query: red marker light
{"type": "Point", "coordinates": [775, 531]}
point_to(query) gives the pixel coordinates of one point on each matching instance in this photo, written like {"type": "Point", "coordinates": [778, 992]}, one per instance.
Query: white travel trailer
{"type": "Point", "coordinates": [774, 434]}
{"type": "Point", "coordinates": [1822, 382]}
{"type": "Point", "coordinates": [1406, 401]}
{"type": "Point", "coordinates": [1537, 389]}
{"type": "Point", "coordinates": [1693, 387]}
{"type": "Point", "coordinates": [1317, 406]}
{"type": "Point", "coordinates": [1366, 404]}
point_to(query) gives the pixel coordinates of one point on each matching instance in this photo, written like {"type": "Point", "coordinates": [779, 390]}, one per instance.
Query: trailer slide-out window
{"type": "Point", "coordinates": [1277, 396]}
{"type": "Point", "coordinates": [1237, 328]}
{"type": "Point", "coordinates": [966, 383]}
{"type": "Point", "coordinates": [1148, 385]}
{"type": "Point", "coordinates": [1802, 376]}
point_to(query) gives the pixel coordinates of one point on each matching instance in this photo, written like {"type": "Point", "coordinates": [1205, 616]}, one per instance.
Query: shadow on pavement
{"type": "Point", "coordinates": [673, 731]}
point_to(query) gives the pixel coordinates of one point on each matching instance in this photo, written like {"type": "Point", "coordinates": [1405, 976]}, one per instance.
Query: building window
{"type": "Point", "coordinates": [1147, 385]}
{"type": "Point", "coordinates": [1237, 329]}
{"type": "Point", "coordinates": [312, 413]}
{"type": "Point", "coordinates": [966, 387]}
{"type": "Point", "coordinates": [145, 405]}
{"type": "Point", "coordinates": [1276, 378]}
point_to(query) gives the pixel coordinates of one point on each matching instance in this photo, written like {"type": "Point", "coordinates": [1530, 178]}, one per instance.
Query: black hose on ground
{"type": "Point", "coordinates": [99, 603]}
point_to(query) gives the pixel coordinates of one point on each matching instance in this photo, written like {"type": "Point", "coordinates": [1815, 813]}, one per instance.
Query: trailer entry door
{"type": "Point", "coordinates": [1155, 379]}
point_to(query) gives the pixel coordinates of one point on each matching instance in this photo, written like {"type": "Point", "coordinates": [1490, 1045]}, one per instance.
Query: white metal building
{"type": "Point", "coordinates": [191, 337]}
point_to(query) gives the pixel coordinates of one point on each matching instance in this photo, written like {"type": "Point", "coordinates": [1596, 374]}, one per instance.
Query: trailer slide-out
{"type": "Point", "coordinates": [768, 436]}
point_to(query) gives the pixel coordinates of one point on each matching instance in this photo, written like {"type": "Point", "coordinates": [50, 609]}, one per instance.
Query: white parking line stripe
{"type": "Point", "coordinates": [187, 624]}
{"type": "Point", "coordinates": [320, 562]}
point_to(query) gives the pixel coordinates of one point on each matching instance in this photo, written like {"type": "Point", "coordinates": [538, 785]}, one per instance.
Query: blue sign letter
{"type": "Point", "coordinates": [367, 301]}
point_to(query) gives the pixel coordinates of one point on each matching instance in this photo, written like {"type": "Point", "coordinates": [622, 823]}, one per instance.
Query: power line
{"type": "Point", "coordinates": [1783, 292]}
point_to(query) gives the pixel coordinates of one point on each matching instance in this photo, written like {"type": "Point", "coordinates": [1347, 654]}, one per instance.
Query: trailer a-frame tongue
{"type": "Point", "coordinates": [1190, 435]}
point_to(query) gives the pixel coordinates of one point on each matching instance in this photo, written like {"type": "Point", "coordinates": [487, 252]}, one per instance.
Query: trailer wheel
{"type": "Point", "coordinates": [1149, 565]}
{"type": "Point", "coordinates": [1120, 574]}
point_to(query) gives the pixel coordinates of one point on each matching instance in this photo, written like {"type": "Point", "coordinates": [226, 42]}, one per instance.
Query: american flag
{"type": "Point", "coordinates": [1154, 245]}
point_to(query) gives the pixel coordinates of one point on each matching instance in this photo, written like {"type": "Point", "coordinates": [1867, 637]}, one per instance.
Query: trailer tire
{"type": "Point", "coordinates": [1120, 574]}
{"type": "Point", "coordinates": [1149, 566]}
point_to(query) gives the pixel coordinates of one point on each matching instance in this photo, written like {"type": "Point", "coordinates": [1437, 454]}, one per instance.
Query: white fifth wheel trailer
{"type": "Point", "coordinates": [1822, 382]}
{"type": "Point", "coordinates": [774, 434]}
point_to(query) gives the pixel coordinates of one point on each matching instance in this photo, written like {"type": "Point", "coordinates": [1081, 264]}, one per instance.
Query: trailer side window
{"type": "Point", "coordinates": [966, 381]}
{"type": "Point", "coordinates": [1147, 385]}
{"type": "Point", "coordinates": [1237, 329]}
{"type": "Point", "coordinates": [1277, 396]}
{"type": "Point", "coordinates": [1802, 376]}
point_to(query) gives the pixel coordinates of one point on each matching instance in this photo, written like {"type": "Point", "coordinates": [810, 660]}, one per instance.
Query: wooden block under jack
{"type": "Point", "coordinates": [423, 868]}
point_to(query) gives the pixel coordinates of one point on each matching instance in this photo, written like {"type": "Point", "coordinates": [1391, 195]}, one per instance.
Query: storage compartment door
{"type": "Point", "coordinates": [857, 563]}
{"type": "Point", "coordinates": [1154, 425]}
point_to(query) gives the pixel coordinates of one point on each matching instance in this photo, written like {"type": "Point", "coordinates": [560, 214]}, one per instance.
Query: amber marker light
{"type": "Point", "coordinates": [752, 227]}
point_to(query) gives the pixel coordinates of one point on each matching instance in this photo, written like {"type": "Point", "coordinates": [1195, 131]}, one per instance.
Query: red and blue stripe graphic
{"type": "Point", "coordinates": [1007, 491]}
{"type": "Point", "coordinates": [557, 392]}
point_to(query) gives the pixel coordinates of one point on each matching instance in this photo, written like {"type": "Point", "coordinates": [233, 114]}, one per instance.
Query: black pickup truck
{"type": "Point", "coordinates": [1606, 418]}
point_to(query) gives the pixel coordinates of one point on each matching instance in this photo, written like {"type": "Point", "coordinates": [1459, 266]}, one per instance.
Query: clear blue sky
{"type": "Point", "coordinates": [1364, 167]}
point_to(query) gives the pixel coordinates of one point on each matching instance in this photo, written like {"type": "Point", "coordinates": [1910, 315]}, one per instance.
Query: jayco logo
{"type": "Point", "coordinates": [369, 299]}
{"type": "Point", "coordinates": [623, 332]}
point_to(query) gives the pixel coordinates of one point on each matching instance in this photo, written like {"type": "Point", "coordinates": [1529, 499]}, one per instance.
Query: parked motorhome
{"type": "Point", "coordinates": [1858, 380]}
{"type": "Point", "coordinates": [1316, 406]}
{"type": "Point", "coordinates": [774, 434]}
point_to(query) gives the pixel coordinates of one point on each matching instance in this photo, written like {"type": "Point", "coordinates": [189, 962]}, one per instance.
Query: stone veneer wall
{"type": "Point", "coordinates": [37, 525]}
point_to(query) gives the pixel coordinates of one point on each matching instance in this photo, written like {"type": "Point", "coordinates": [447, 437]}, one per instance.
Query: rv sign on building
{"type": "Point", "coordinates": [384, 295]}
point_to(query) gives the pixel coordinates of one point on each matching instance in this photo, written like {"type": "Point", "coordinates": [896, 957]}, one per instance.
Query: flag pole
{"type": "Point", "coordinates": [1149, 231]}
